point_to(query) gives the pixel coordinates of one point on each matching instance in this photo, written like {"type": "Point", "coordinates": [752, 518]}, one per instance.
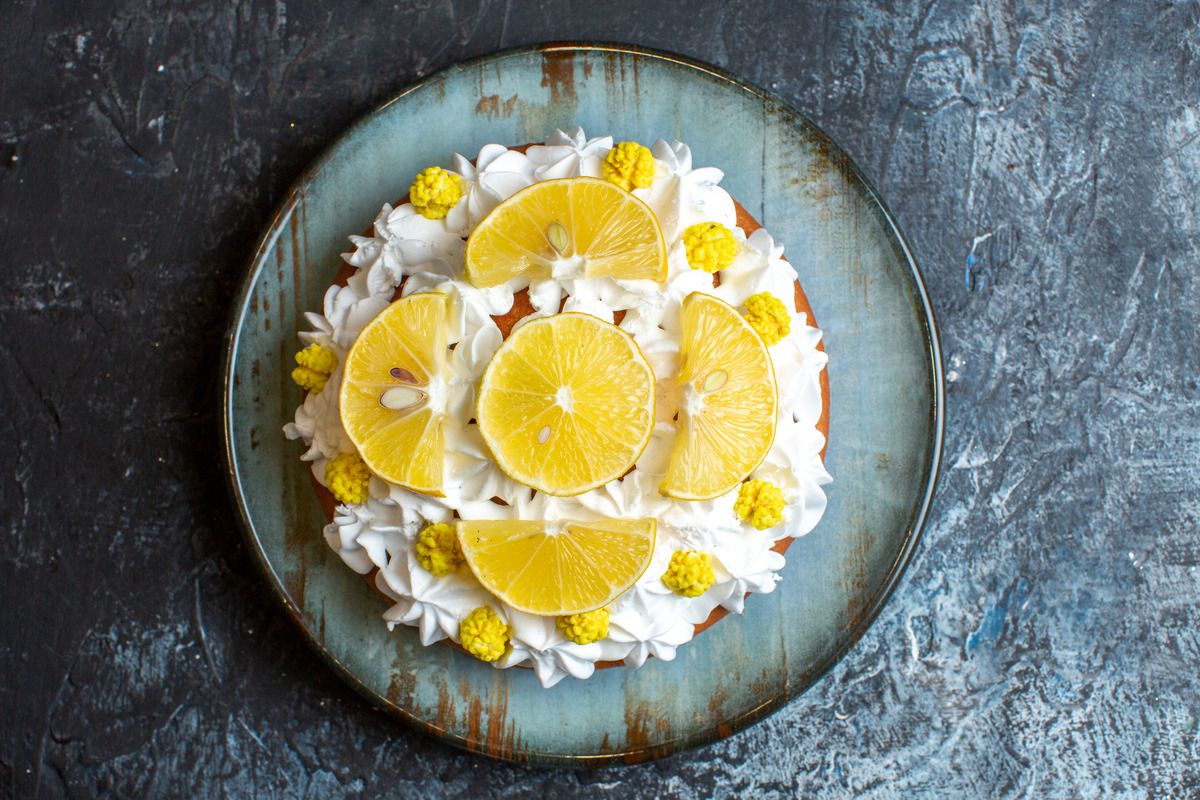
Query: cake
{"type": "Point", "coordinates": [705, 556]}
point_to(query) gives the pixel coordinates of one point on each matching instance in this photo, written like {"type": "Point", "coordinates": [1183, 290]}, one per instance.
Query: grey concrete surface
{"type": "Point", "coordinates": [1044, 161]}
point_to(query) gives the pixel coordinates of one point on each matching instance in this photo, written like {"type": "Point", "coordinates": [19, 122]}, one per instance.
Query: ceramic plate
{"type": "Point", "coordinates": [885, 422]}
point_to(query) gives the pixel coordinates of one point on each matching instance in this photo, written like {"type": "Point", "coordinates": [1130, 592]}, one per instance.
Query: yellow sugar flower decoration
{"type": "Point", "coordinates": [630, 166]}
{"type": "Point", "coordinates": [435, 191]}
{"type": "Point", "coordinates": [484, 635]}
{"type": "Point", "coordinates": [438, 549]}
{"type": "Point", "coordinates": [585, 628]}
{"type": "Point", "coordinates": [690, 573]}
{"type": "Point", "coordinates": [760, 503]}
{"type": "Point", "coordinates": [710, 246]}
{"type": "Point", "coordinates": [317, 363]}
{"type": "Point", "coordinates": [348, 478]}
{"type": "Point", "coordinates": [768, 315]}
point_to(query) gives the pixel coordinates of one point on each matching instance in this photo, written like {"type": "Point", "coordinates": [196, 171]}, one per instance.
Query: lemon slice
{"type": "Point", "coordinates": [557, 568]}
{"type": "Point", "coordinates": [567, 403]}
{"type": "Point", "coordinates": [727, 402]}
{"type": "Point", "coordinates": [393, 396]}
{"type": "Point", "coordinates": [569, 227]}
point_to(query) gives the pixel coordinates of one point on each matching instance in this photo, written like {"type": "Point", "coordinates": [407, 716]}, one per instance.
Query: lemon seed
{"type": "Point", "coordinates": [401, 397]}
{"type": "Point", "coordinates": [403, 375]}
{"type": "Point", "coordinates": [556, 232]}
{"type": "Point", "coordinates": [715, 380]}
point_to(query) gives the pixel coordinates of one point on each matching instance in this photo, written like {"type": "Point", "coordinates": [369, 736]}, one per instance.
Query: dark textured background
{"type": "Point", "coordinates": [1044, 160]}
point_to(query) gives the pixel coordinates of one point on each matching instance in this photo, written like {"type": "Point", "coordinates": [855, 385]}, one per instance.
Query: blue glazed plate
{"type": "Point", "coordinates": [885, 422]}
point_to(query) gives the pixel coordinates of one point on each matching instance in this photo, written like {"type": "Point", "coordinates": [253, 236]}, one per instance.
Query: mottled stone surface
{"type": "Point", "coordinates": [1044, 160]}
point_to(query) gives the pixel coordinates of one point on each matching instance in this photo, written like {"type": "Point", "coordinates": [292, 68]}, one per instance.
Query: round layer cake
{"type": "Point", "coordinates": [408, 253]}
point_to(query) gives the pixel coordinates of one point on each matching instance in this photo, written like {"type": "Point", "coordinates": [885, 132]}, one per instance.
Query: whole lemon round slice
{"type": "Point", "coordinates": [567, 403]}
{"type": "Point", "coordinates": [728, 402]}
{"type": "Point", "coordinates": [567, 228]}
{"type": "Point", "coordinates": [555, 568]}
{"type": "Point", "coordinates": [393, 395]}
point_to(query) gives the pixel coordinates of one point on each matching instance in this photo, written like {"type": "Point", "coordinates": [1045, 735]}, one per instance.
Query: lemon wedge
{"type": "Point", "coordinates": [569, 227]}
{"type": "Point", "coordinates": [728, 402]}
{"type": "Point", "coordinates": [393, 395]}
{"type": "Point", "coordinates": [557, 568]}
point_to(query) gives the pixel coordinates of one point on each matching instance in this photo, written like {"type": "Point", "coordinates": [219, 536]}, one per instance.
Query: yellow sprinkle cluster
{"type": "Point", "coordinates": [435, 191]}
{"type": "Point", "coordinates": [348, 478]}
{"type": "Point", "coordinates": [760, 503]}
{"type": "Point", "coordinates": [317, 363]}
{"type": "Point", "coordinates": [630, 166]}
{"type": "Point", "coordinates": [484, 635]}
{"type": "Point", "coordinates": [710, 246]}
{"type": "Point", "coordinates": [689, 574]}
{"type": "Point", "coordinates": [585, 628]}
{"type": "Point", "coordinates": [438, 549]}
{"type": "Point", "coordinates": [768, 315]}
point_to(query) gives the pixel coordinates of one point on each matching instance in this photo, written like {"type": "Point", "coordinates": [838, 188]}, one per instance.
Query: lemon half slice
{"type": "Point", "coordinates": [393, 395]}
{"type": "Point", "coordinates": [557, 568]}
{"type": "Point", "coordinates": [728, 402]}
{"type": "Point", "coordinates": [567, 227]}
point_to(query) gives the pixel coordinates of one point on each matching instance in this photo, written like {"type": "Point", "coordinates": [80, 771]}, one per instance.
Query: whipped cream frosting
{"type": "Point", "coordinates": [427, 255]}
